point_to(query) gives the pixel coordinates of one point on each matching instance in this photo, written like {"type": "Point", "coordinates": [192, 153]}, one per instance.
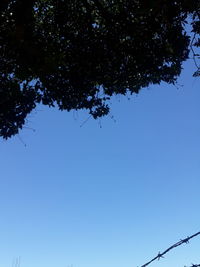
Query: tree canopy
{"type": "Point", "coordinates": [76, 54]}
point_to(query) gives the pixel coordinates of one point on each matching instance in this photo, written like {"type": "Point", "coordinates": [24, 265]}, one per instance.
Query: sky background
{"type": "Point", "coordinates": [105, 193]}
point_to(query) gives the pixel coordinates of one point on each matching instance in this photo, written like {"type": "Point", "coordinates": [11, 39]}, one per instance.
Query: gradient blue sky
{"type": "Point", "coordinates": [110, 196]}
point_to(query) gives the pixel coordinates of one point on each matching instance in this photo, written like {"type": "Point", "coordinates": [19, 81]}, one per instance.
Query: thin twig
{"type": "Point", "coordinates": [182, 241]}
{"type": "Point", "coordinates": [85, 121]}
{"type": "Point", "coordinates": [193, 52]}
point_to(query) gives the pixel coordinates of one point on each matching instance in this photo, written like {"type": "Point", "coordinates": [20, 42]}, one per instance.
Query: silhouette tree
{"type": "Point", "coordinates": [76, 54]}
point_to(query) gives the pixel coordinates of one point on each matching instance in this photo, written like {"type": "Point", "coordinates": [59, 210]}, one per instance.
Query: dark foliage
{"type": "Point", "coordinates": [76, 54]}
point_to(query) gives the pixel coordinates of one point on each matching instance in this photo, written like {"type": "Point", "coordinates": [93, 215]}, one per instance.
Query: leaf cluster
{"type": "Point", "coordinates": [76, 54]}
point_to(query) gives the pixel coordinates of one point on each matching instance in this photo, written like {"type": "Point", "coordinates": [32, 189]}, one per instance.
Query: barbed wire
{"type": "Point", "coordinates": [179, 243]}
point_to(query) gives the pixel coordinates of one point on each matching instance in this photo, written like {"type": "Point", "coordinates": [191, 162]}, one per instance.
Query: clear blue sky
{"type": "Point", "coordinates": [105, 197]}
